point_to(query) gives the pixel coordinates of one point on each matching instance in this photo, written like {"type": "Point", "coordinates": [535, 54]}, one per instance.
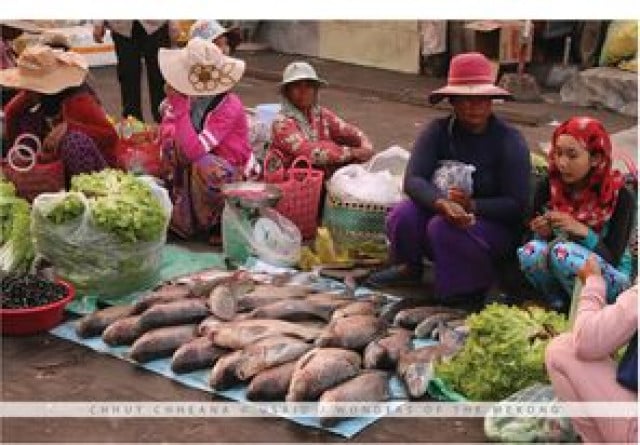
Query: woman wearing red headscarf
{"type": "Point", "coordinates": [583, 208]}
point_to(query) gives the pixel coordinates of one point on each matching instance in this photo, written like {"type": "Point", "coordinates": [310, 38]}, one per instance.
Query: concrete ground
{"type": "Point", "coordinates": [389, 107]}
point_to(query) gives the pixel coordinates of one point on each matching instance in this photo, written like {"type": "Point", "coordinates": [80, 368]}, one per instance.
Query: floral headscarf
{"type": "Point", "coordinates": [594, 205]}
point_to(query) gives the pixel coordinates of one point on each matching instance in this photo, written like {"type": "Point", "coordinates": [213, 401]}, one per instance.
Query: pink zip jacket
{"type": "Point", "coordinates": [225, 132]}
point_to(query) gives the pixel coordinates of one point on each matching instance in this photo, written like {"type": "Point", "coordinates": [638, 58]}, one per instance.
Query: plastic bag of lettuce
{"type": "Point", "coordinates": [106, 234]}
{"type": "Point", "coordinates": [503, 353]}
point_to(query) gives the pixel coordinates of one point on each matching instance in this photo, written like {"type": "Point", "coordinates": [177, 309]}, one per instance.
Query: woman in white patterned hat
{"type": "Point", "coordinates": [305, 128]}
{"type": "Point", "coordinates": [204, 132]}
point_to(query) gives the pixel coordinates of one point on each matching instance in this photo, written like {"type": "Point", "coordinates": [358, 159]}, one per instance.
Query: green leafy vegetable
{"type": "Point", "coordinates": [16, 252]}
{"type": "Point", "coordinates": [119, 203]}
{"type": "Point", "coordinates": [503, 353]}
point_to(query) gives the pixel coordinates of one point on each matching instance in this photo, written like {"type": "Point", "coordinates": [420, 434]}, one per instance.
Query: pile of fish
{"type": "Point", "coordinates": [285, 341]}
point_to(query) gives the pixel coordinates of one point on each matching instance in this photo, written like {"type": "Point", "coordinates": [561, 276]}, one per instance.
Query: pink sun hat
{"type": "Point", "coordinates": [470, 74]}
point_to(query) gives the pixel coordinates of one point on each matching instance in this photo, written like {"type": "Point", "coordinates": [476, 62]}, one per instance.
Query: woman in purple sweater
{"type": "Point", "coordinates": [462, 233]}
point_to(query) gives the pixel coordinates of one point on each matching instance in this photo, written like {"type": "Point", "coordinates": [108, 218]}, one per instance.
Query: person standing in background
{"type": "Point", "coordinates": [135, 40]}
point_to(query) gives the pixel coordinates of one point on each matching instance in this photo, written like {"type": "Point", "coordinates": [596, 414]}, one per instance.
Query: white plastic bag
{"type": "Point", "coordinates": [454, 174]}
{"type": "Point", "coordinates": [272, 237]}
{"type": "Point", "coordinates": [95, 261]}
{"type": "Point", "coordinates": [378, 181]}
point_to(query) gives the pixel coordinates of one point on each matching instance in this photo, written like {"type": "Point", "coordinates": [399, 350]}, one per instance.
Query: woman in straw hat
{"type": "Point", "coordinates": [204, 131]}
{"type": "Point", "coordinates": [302, 127]}
{"type": "Point", "coordinates": [461, 232]}
{"type": "Point", "coordinates": [55, 104]}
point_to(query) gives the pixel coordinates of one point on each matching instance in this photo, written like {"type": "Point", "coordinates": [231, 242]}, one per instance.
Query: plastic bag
{"type": "Point", "coordinates": [271, 237]}
{"type": "Point", "coordinates": [454, 174]}
{"type": "Point", "coordinates": [378, 181]}
{"type": "Point", "coordinates": [529, 429]}
{"type": "Point", "coordinates": [97, 262]}
{"type": "Point", "coordinates": [621, 42]}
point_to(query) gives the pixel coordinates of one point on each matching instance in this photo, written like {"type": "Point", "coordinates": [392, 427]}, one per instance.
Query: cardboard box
{"type": "Point", "coordinates": [499, 40]}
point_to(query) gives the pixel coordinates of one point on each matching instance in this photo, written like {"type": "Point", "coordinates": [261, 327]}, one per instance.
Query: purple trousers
{"type": "Point", "coordinates": [463, 258]}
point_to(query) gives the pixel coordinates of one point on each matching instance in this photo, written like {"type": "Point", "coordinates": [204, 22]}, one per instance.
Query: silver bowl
{"type": "Point", "coordinates": [250, 194]}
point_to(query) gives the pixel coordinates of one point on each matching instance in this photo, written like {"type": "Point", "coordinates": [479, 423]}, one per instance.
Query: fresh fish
{"type": "Point", "coordinates": [410, 318]}
{"type": "Point", "coordinates": [319, 370]}
{"type": "Point", "coordinates": [355, 308]}
{"type": "Point", "coordinates": [271, 384]}
{"type": "Point", "coordinates": [222, 302]}
{"type": "Point", "coordinates": [249, 303]}
{"type": "Point", "coordinates": [165, 294]}
{"type": "Point", "coordinates": [354, 332]}
{"type": "Point", "coordinates": [202, 283]}
{"type": "Point", "coordinates": [429, 324]}
{"type": "Point", "coordinates": [209, 325]}
{"type": "Point", "coordinates": [383, 353]}
{"type": "Point", "coordinates": [161, 342]}
{"type": "Point", "coordinates": [269, 352]}
{"type": "Point", "coordinates": [370, 386]}
{"type": "Point", "coordinates": [239, 334]}
{"type": "Point", "coordinates": [444, 326]}
{"type": "Point", "coordinates": [292, 310]}
{"type": "Point", "coordinates": [175, 313]}
{"type": "Point", "coordinates": [223, 375]}
{"type": "Point", "coordinates": [289, 291]}
{"type": "Point", "coordinates": [416, 367]}
{"type": "Point", "coordinates": [123, 332]}
{"type": "Point", "coordinates": [94, 324]}
{"type": "Point", "coordinates": [330, 302]}
{"type": "Point", "coordinates": [199, 353]}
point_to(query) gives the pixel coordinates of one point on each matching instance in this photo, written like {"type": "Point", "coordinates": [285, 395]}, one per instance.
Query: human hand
{"type": "Point", "coordinates": [540, 225]}
{"type": "Point", "coordinates": [567, 223]}
{"type": "Point", "coordinates": [98, 33]}
{"type": "Point", "coordinates": [590, 268]}
{"type": "Point", "coordinates": [362, 154]}
{"type": "Point", "coordinates": [454, 213]}
{"type": "Point", "coordinates": [459, 196]}
{"type": "Point", "coordinates": [52, 141]}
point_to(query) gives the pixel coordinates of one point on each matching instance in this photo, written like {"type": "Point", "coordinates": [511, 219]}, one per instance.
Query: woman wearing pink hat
{"type": "Point", "coordinates": [462, 232]}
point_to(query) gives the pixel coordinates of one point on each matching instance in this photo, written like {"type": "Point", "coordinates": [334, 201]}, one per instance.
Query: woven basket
{"type": "Point", "coordinates": [356, 225]}
{"type": "Point", "coordinates": [301, 188]}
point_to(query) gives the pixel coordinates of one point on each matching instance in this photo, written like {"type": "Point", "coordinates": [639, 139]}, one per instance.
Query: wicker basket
{"type": "Point", "coordinates": [301, 188]}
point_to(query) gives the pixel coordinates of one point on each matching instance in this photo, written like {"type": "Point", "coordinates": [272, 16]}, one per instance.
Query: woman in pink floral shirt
{"type": "Point", "coordinates": [303, 128]}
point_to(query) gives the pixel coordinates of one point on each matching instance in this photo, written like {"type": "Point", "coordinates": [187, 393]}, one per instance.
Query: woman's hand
{"type": "Point", "coordinates": [454, 213]}
{"type": "Point", "coordinates": [362, 154]}
{"type": "Point", "coordinates": [540, 225]}
{"type": "Point", "coordinates": [459, 196]}
{"type": "Point", "coordinates": [567, 223]}
{"type": "Point", "coordinates": [591, 268]}
{"type": "Point", "coordinates": [52, 141]}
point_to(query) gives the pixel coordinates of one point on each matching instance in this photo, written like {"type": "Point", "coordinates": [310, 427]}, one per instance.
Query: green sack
{"type": "Point", "coordinates": [529, 429]}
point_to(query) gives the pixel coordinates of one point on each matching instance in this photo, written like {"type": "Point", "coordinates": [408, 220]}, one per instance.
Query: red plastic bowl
{"type": "Point", "coordinates": [37, 319]}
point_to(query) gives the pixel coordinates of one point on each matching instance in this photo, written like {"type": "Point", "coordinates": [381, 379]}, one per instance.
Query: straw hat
{"type": "Point", "coordinates": [207, 30]}
{"type": "Point", "coordinates": [42, 69]}
{"type": "Point", "coordinates": [200, 68]}
{"type": "Point", "coordinates": [300, 71]}
{"type": "Point", "coordinates": [21, 25]}
{"type": "Point", "coordinates": [470, 74]}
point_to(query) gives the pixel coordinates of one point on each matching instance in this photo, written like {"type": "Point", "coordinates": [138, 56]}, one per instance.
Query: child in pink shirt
{"type": "Point", "coordinates": [580, 363]}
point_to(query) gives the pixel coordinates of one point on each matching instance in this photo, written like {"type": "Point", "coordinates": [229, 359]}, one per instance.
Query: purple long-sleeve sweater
{"type": "Point", "coordinates": [501, 158]}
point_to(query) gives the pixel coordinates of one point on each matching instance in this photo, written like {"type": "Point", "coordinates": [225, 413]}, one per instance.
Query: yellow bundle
{"type": "Point", "coordinates": [325, 252]}
{"type": "Point", "coordinates": [621, 42]}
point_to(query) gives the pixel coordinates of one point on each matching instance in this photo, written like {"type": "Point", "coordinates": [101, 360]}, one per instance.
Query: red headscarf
{"type": "Point", "coordinates": [594, 205]}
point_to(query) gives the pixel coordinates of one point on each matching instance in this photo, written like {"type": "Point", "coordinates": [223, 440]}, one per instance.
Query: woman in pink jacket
{"type": "Point", "coordinates": [204, 132]}
{"type": "Point", "coordinates": [580, 363]}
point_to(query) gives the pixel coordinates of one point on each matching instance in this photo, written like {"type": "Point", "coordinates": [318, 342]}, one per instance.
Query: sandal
{"type": "Point", "coordinates": [397, 275]}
